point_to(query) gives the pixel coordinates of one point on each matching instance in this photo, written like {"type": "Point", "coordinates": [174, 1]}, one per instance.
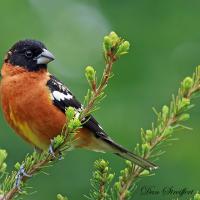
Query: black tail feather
{"type": "Point", "coordinates": [124, 153]}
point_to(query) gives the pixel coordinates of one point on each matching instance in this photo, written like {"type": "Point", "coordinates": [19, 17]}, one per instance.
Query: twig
{"type": "Point", "coordinates": [168, 120]}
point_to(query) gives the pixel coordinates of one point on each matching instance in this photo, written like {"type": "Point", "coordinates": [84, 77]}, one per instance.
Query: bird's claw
{"type": "Point", "coordinates": [60, 156]}
{"type": "Point", "coordinates": [51, 150]}
{"type": "Point", "coordinates": [20, 174]}
{"type": "Point", "coordinates": [52, 153]}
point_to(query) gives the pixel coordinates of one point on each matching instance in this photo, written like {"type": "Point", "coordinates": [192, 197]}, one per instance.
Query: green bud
{"type": "Point", "coordinates": [114, 38]}
{"type": "Point", "coordinates": [3, 155]}
{"type": "Point", "coordinates": [17, 166]}
{"type": "Point", "coordinates": [123, 48]}
{"type": "Point", "coordinates": [128, 163]}
{"type": "Point", "coordinates": [96, 175]}
{"type": "Point", "coordinates": [117, 186]}
{"type": "Point", "coordinates": [107, 43]}
{"type": "Point", "coordinates": [106, 169]}
{"type": "Point", "coordinates": [137, 149]}
{"type": "Point", "coordinates": [103, 163]}
{"type": "Point", "coordinates": [121, 178]}
{"type": "Point", "coordinates": [110, 177]}
{"type": "Point", "coordinates": [187, 83]}
{"type": "Point", "coordinates": [168, 131]}
{"type": "Point", "coordinates": [70, 113]}
{"type": "Point", "coordinates": [126, 171]}
{"type": "Point", "coordinates": [128, 193]}
{"type": "Point", "coordinates": [3, 167]}
{"type": "Point", "coordinates": [184, 117]}
{"type": "Point", "coordinates": [144, 173]}
{"type": "Point", "coordinates": [184, 102]}
{"type": "Point", "coordinates": [77, 123]}
{"type": "Point", "coordinates": [73, 124]}
{"type": "Point", "coordinates": [149, 135]}
{"type": "Point", "coordinates": [145, 148]}
{"type": "Point", "coordinates": [165, 111]}
{"type": "Point", "coordinates": [90, 73]}
{"type": "Point", "coordinates": [58, 140]}
{"type": "Point", "coordinates": [197, 196]}
{"type": "Point", "coordinates": [60, 197]}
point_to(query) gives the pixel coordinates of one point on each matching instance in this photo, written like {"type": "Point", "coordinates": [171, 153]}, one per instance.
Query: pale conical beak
{"type": "Point", "coordinates": [45, 57]}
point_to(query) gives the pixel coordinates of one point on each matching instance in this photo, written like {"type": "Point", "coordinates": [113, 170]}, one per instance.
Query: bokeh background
{"type": "Point", "coordinates": [165, 47]}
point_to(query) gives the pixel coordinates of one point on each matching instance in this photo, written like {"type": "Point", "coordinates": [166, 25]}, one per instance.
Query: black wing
{"type": "Point", "coordinates": [63, 98]}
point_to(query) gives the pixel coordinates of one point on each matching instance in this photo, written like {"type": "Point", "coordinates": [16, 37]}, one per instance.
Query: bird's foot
{"type": "Point", "coordinates": [60, 155]}
{"type": "Point", "coordinates": [20, 174]}
{"type": "Point", "coordinates": [51, 150]}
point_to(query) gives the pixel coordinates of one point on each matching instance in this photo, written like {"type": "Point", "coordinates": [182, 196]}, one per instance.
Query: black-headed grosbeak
{"type": "Point", "coordinates": [34, 103]}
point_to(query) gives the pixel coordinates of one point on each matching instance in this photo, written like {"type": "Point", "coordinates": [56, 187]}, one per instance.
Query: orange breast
{"type": "Point", "coordinates": [28, 108]}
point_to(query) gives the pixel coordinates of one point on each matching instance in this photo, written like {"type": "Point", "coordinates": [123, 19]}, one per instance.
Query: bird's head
{"type": "Point", "coordinates": [29, 54]}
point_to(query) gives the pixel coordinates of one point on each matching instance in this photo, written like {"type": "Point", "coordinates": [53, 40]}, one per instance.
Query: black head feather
{"type": "Point", "coordinates": [24, 53]}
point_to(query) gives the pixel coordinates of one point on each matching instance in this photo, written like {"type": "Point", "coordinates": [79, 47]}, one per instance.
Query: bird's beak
{"type": "Point", "coordinates": [45, 57]}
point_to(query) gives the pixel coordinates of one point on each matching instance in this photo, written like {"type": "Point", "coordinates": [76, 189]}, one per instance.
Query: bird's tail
{"type": "Point", "coordinates": [124, 153]}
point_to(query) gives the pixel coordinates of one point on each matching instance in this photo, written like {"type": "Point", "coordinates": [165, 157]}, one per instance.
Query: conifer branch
{"type": "Point", "coordinates": [169, 120]}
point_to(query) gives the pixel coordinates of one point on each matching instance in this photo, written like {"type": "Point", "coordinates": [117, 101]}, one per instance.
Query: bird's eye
{"type": "Point", "coordinates": [29, 54]}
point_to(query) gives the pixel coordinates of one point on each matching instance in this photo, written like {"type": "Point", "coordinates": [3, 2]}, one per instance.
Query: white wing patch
{"type": "Point", "coordinates": [100, 126]}
{"type": "Point", "coordinates": [60, 96]}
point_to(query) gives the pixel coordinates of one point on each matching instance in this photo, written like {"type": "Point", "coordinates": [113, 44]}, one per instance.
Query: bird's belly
{"type": "Point", "coordinates": [24, 129]}
{"type": "Point", "coordinates": [37, 130]}
{"type": "Point", "coordinates": [32, 115]}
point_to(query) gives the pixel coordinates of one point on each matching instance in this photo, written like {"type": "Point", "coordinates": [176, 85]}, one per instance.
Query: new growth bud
{"type": "Point", "coordinates": [187, 83]}
{"type": "Point", "coordinates": [103, 164]}
{"type": "Point", "coordinates": [184, 117]}
{"type": "Point", "coordinates": [165, 111]}
{"type": "Point", "coordinates": [90, 73]}
{"type": "Point", "coordinates": [145, 173]}
{"type": "Point", "coordinates": [110, 177]}
{"type": "Point", "coordinates": [3, 155]}
{"type": "Point", "coordinates": [58, 140]}
{"type": "Point", "coordinates": [17, 166]}
{"type": "Point", "coordinates": [3, 165]}
{"type": "Point", "coordinates": [70, 113]}
{"type": "Point", "coordinates": [107, 43]}
{"type": "Point", "coordinates": [129, 163]}
{"type": "Point", "coordinates": [74, 124]}
{"type": "Point", "coordinates": [123, 48]}
{"type": "Point", "coordinates": [149, 135]}
{"type": "Point", "coordinates": [117, 186]}
{"type": "Point", "coordinates": [114, 46]}
{"type": "Point", "coordinates": [60, 197]}
{"type": "Point", "coordinates": [114, 38]}
{"type": "Point", "coordinates": [197, 196]}
{"type": "Point", "coordinates": [184, 102]}
{"type": "Point", "coordinates": [145, 148]}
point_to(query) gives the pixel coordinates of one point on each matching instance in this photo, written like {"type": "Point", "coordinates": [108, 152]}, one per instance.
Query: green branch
{"type": "Point", "coordinates": [170, 119]}
{"type": "Point", "coordinates": [100, 181]}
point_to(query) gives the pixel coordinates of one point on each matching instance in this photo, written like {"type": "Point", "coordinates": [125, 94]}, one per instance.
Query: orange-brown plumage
{"type": "Point", "coordinates": [25, 95]}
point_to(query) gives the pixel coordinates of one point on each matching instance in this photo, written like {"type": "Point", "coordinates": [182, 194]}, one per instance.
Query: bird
{"type": "Point", "coordinates": [34, 102]}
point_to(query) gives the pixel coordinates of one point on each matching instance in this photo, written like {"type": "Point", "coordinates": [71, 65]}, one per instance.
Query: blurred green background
{"type": "Point", "coordinates": [165, 39]}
